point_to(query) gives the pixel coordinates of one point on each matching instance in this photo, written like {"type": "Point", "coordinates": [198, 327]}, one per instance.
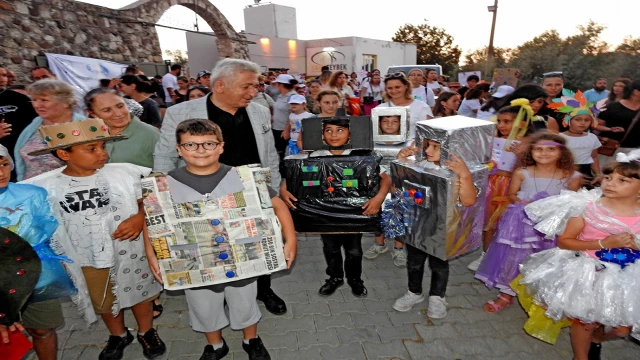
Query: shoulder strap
{"type": "Point", "coordinates": [633, 123]}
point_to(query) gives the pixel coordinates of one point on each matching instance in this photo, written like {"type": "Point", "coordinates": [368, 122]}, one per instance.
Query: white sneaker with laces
{"type": "Point", "coordinates": [375, 250]}
{"type": "Point", "coordinates": [437, 307]}
{"type": "Point", "coordinates": [475, 264]}
{"type": "Point", "coordinates": [399, 257]}
{"type": "Point", "coordinates": [406, 302]}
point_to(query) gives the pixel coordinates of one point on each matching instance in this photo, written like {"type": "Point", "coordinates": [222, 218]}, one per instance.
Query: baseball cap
{"type": "Point", "coordinates": [301, 85]}
{"type": "Point", "coordinates": [284, 79]}
{"type": "Point", "coordinates": [4, 152]}
{"type": "Point", "coordinates": [203, 73]}
{"type": "Point", "coordinates": [503, 90]}
{"type": "Point", "coordinates": [297, 99]}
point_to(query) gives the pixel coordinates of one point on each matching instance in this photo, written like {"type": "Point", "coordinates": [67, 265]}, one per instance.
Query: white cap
{"type": "Point", "coordinates": [284, 79]}
{"type": "Point", "coordinates": [503, 90]}
{"type": "Point", "coordinates": [4, 152]}
{"type": "Point", "coordinates": [297, 99]}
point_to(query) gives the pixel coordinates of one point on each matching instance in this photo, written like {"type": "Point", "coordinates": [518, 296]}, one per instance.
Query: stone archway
{"type": "Point", "coordinates": [34, 27]}
{"type": "Point", "coordinates": [230, 43]}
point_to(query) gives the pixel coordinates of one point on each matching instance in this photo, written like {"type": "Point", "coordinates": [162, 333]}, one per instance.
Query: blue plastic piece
{"type": "Point", "coordinates": [215, 222]}
{"type": "Point", "coordinates": [230, 273]}
{"type": "Point", "coordinates": [219, 239]}
{"type": "Point", "coordinates": [223, 256]}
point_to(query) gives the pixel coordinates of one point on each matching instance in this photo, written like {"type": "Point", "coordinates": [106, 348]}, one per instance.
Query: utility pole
{"type": "Point", "coordinates": [489, 64]}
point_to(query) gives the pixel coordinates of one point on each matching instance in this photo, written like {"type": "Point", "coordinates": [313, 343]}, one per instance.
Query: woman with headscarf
{"type": "Point", "coordinates": [418, 91]}
{"type": "Point", "coordinates": [140, 90]}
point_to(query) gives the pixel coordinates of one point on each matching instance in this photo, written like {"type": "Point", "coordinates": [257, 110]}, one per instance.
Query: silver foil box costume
{"type": "Point", "coordinates": [442, 226]}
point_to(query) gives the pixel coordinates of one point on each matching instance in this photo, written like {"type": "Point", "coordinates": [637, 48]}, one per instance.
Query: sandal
{"type": "Point", "coordinates": [497, 307]}
{"type": "Point", "coordinates": [157, 308]}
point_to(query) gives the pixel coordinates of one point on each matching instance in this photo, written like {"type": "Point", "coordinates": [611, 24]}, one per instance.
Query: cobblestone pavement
{"type": "Point", "coordinates": [344, 327]}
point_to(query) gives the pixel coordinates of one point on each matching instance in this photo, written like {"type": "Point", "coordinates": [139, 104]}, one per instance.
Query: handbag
{"type": "Point", "coordinates": [368, 100]}
{"type": "Point", "coordinates": [610, 146]}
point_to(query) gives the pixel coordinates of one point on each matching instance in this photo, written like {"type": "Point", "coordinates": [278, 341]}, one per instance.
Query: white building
{"type": "Point", "coordinates": [272, 30]}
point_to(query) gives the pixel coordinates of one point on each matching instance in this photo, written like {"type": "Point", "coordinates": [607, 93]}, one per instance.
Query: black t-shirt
{"type": "Point", "coordinates": [240, 147]}
{"type": "Point", "coordinates": [615, 115]}
{"type": "Point", "coordinates": [15, 109]}
{"type": "Point", "coordinates": [151, 113]}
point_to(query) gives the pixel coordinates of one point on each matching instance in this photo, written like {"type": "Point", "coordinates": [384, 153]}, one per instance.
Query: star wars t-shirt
{"type": "Point", "coordinates": [84, 206]}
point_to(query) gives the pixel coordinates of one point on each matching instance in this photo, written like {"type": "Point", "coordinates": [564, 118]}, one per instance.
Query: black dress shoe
{"type": "Point", "coordinates": [211, 354]}
{"type": "Point", "coordinates": [272, 302]}
{"type": "Point", "coordinates": [594, 351]}
{"type": "Point", "coordinates": [114, 350]}
{"type": "Point", "coordinates": [357, 288]}
{"type": "Point", "coordinates": [330, 286]}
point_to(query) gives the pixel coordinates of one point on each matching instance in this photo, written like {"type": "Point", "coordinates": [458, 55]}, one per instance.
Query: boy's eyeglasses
{"type": "Point", "coordinates": [193, 146]}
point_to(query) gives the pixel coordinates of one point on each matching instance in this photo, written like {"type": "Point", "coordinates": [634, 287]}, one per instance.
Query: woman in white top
{"type": "Point", "coordinates": [338, 82]}
{"type": "Point", "coordinates": [285, 84]}
{"type": "Point", "coordinates": [473, 100]}
{"type": "Point", "coordinates": [418, 91]}
{"type": "Point", "coordinates": [398, 93]}
{"type": "Point", "coordinates": [373, 90]}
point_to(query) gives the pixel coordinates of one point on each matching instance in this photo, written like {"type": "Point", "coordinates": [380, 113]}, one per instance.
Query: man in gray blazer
{"type": "Point", "coordinates": [246, 129]}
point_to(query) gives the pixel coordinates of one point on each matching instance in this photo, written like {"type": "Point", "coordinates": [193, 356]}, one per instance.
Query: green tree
{"type": "Point", "coordinates": [539, 55]}
{"type": "Point", "coordinates": [177, 56]}
{"type": "Point", "coordinates": [434, 45]}
{"type": "Point", "coordinates": [629, 46]}
{"type": "Point", "coordinates": [477, 59]}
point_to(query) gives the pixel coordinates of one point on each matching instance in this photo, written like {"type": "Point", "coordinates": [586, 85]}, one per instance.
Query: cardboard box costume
{"type": "Point", "coordinates": [386, 145]}
{"type": "Point", "coordinates": [441, 226]}
{"type": "Point", "coordinates": [227, 235]}
{"type": "Point", "coordinates": [331, 190]}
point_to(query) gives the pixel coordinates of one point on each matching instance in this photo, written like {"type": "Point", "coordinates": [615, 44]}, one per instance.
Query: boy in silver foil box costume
{"type": "Point", "coordinates": [442, 228]}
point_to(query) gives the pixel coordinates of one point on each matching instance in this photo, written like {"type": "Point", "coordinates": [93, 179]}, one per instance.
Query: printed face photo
{"type": "Point", "coordinates": [389, 125]}
{"type": "Point", "coordinates": [335, 135]}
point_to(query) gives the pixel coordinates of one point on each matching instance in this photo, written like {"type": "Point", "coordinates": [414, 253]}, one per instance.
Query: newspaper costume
{"type": "Point", "coordinates": [227, 235]}
{"type": "Point", "coordinates": [119, 186]}
{"type": "Point", "coordinates": [90, 215]}
{"type": "Point", "coordinates": [591, 286]}
{"type": "Point", "coordinates": [439, 225]}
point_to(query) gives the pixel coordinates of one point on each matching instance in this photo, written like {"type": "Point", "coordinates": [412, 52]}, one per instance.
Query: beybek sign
{"type": "Point", "coordinates": [336, 58]}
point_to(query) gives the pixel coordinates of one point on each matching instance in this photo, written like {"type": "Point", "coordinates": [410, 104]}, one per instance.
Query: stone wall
{"type": "Point", "coordinates": [33, 27]}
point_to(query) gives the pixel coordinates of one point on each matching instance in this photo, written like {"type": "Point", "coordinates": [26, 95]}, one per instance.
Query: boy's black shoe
{"type": "Point", "coordinates": [115, 347]}
{"type": "Point", "coordinates": [594, 351]}
{"type": "Point", "coordinates": [330, 286]}
{"type": "Point", "coordinates": [152, 346]}
{"type": "Point", "coordinates": [256, 350]}
{"type": "Point", "coordinates": [357, 288]}
{"type": "Point", "coordinates": [210, 354]}
{"type": "Point", "coordinates": [272, 302]}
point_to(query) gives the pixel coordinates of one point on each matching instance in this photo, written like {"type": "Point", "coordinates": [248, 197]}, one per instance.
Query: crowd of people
{"type": "Point", "coordinates": [558, 140]}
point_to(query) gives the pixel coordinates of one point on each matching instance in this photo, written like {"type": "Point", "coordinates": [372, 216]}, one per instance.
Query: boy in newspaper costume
{"type": "Point", "coordinates": [214, 233]}
{"type": "Point", "coordinates": [99, 208]}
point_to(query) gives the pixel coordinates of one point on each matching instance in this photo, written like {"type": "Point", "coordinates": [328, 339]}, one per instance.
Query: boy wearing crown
{"type": "Point", "coordinates": [99, 209]}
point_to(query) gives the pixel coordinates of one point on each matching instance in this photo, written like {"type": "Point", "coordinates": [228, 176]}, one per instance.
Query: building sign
{"type": "Point", "coordinates": [336, 58]}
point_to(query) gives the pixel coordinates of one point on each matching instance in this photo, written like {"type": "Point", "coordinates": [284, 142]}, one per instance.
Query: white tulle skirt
{"type": "Point", "coordinates": [571, 284]}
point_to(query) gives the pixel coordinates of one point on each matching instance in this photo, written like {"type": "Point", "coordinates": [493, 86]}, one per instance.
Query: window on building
{"type": "Point", "coordinates": [369, 62]}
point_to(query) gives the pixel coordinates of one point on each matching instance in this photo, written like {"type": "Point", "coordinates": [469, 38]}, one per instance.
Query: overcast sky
{"type": "Point", "coordinates": [468, 21]}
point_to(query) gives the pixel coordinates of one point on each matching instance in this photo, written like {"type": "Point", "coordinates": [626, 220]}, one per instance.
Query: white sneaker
{"type": "Point", "coordinates": [437, 307]}
{"type": "Point", "coordinates": [475, 264]}
{"type": "Point", "coordinates": [375, 250]}
{"type": "Point", "coordinates": [399, 257]}
{"type": "Point", "coordinates": [406, 302]}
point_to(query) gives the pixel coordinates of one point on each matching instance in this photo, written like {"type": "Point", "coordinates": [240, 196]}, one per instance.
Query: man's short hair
{"type": "Point", "coordinates": [600, 78]}
{"type": "Point", "coordinates": [228, 68]}
{"type": "Point", "coordinates": [324, 68]}
{"type": "Point", "coordinates": [473, 77]}
{"type": "Point", "coordinates": [198, 127]}
{"type": "Point", "coordinates": [42, 67]}
{"type": "Point", "coordinates": [176, 67]}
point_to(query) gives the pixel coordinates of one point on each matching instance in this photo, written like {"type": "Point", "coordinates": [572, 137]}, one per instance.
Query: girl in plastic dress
{"type": "Point", "coordinates": [513, 122]}
{"type": "Point", "coordinates": [591, 277]}
{"type": "Point", "coordinates": [547, 168]}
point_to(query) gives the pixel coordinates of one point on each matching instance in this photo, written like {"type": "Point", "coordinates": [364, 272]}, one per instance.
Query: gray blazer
{"type": "Point", "coordinates": [165, 156]}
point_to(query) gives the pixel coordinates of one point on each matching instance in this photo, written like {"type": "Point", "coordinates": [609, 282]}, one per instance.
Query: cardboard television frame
{"type": "Point", "coordinates": [360, 133]}
{"type": "Point", "coordinates": [379, 112]}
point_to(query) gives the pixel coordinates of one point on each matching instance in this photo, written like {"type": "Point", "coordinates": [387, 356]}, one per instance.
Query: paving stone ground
{"type": "Point", "coordinates": [344, 327]}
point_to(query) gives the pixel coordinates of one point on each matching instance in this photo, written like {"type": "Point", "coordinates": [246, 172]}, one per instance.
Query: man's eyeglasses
{"type": "Point", "coordinates": [260, 84]}
{"type": "Point", "coordinates": [193, 146]}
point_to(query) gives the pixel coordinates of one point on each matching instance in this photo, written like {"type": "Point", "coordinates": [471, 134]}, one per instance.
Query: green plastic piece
{"type": "Point", "coordinates": [311, 183]}
{"type": "Point", "coordinates": [347, 172]}
{"type": "Point", "coordinates": [350, 183]}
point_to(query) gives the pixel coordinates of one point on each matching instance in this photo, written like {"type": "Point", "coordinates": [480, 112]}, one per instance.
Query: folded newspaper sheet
{"type": "Point", "coordinates": [218, 240]}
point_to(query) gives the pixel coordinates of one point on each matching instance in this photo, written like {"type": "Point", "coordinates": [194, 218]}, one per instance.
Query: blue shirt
{"type": "Point", "coordinates": [593, 96]}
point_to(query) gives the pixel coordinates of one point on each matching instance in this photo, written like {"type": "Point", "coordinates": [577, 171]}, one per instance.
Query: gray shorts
{"type": "Point", "coordinates": [206, 307]}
